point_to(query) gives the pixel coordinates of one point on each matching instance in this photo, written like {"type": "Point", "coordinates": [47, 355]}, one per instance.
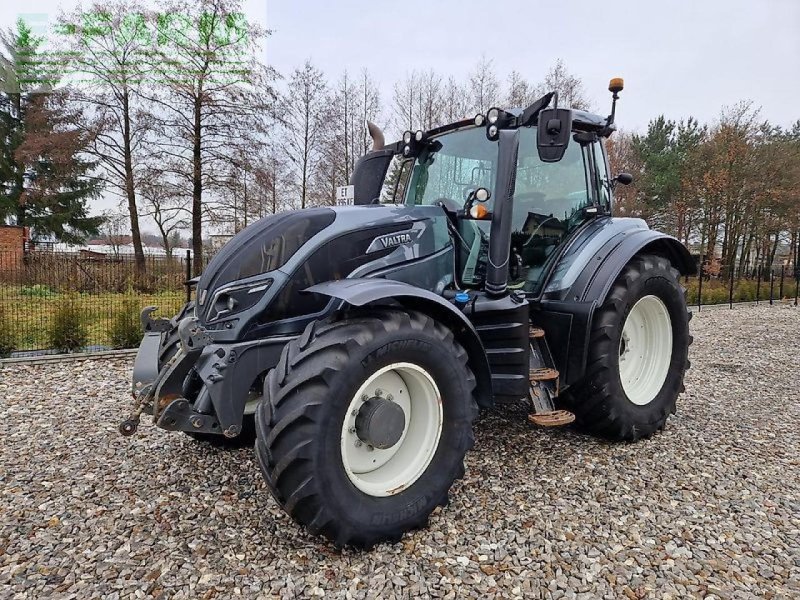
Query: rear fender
{"type": "Point", "coordinates": [583, 278]}
{"type": "Point", "coordinates": [364, 291]}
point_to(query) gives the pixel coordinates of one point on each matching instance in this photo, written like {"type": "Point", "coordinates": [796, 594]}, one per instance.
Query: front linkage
{"type": "Point", "coordinates": [172, 411]}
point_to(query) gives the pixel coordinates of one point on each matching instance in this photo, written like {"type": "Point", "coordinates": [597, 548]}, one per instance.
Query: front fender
{"type": "Point", "coordinates": [363, 291]}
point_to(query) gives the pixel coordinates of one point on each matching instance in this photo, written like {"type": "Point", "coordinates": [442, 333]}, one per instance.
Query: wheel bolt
{"type": "Point", "coordinates": [379, 392]}
{"type": "Point", "coordinates": [390, 398]}
{"type": "Point", "coordinates": [364, 397]}
{"type": "Point", "coordinates": [352, 430]}
{"type": "Point", "coordinates": [359, 443]}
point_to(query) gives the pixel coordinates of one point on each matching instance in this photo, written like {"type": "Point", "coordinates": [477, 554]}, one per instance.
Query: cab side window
{"type": "Point", "coordinates": [603, 183]}
{"type": "Point", "coordinates": [396, 181]}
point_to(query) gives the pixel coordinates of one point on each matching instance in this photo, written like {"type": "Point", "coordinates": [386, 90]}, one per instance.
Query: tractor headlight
{"type": "Point", "coordinates": [479, 120]}
{"type": "Point", "coordinates": [407, 137]}
{"type": "Point", "coordinates": [419, 135]}
{"type": "Point", "coordinates": [235, 299]}
{"type": "Point", "coordinates": [492, 132]}
{"type": "Point", "coordinates": [493, 116]}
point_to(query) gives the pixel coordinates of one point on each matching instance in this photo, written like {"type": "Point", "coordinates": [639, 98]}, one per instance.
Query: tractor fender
{"type": "Point", "coordinates": [583, 277]}
{"type": "Point", "coordinates": [364, 291]}
{"type": "Point", "coordinates": [636, 242]}
{"type": "Point", "coordinates": [587, 270]}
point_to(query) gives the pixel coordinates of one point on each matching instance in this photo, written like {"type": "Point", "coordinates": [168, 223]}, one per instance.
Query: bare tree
{"type": "Point", "coordinates": [269, 176]}
{"type": "Point", "coordinates": [369, 106]}
{"type": "Point", "coordinates": [108, 52]}
{"type": "Point", "coordinates": [519, 93]}
{"type": "Point", "coordinates": [167, 204]}
{"type": "Point", "coordinates": [455, 102]}
{"type": "Point", "coordinates": [304, 125]}
{"type": "Point", "coordinates": [484, 87]}
{"type": "Point", "coordinates": [404, 115]}
{"type": "Point", "coordinates": [114, 231]}
{"type": "Point", "coordinates": [569, 87]}
{"type": "Point", "coordinates": [217, 96]}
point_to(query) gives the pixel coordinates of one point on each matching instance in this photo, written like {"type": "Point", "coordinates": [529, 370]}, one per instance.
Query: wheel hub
{"type": "Point", "coordinates": [391, 429]}
{"type": "Point", "coordinates": [380, 423]}
{"type": "Point", "coordinates": [645, 350]}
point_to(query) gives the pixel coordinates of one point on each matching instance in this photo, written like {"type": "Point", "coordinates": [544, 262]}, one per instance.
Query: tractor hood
{"type": "Point", "coordinates": [259, 275]}
{"type": "Point", "coordinates": [264, 246]}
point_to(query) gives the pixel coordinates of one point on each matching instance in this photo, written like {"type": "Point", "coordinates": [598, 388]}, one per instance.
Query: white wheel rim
{"type": "Point", "coordinates": [645, 350]}
{"type": "Point", "coordinates": [387, 472]}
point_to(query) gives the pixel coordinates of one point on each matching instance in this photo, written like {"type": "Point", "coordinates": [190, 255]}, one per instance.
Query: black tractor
{"type": "Point", "coordinates": [474, 264]}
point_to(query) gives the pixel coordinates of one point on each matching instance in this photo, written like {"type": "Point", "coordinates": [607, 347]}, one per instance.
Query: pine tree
{"type": "Point", "coordinates": [45, 183]}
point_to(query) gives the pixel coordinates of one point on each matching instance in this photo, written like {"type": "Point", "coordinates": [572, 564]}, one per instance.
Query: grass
{"type": "Point", "coordinates": [30, 316]}
{"type": "Point", "coordinates": [27, 312]}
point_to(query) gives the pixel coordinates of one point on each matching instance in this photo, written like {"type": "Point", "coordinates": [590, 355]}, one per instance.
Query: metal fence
{"type": "Point", "coordinates": [727, 285]}
{"type": "Point", "coordinates": [35, 286]}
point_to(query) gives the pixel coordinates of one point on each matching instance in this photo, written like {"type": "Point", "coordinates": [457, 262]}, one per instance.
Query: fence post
{"type": "Point", "coordinates": [758, 283]}
{"type": "Point", "coordinates": [796, 283]}
{"type": "Point", "coordinates": [780, 294]}
{"type": "Point", "coordinates": [771, 285]}
{"type": "Point", "coordinates": [730, 288]}
{"type": "Point", "coordinates": [188, 275]}
{"type": "Point", "coordinates": [700, 288]}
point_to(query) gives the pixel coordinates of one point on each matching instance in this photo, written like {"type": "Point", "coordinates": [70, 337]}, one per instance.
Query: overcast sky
{"type": "Point", "coordinates": [678, 57]}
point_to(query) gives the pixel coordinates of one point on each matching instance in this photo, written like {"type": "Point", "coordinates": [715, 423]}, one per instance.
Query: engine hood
{"type": "Point", "coordinates": [264, 246]}
{"type": "Point", "coordinates": [259, 276]}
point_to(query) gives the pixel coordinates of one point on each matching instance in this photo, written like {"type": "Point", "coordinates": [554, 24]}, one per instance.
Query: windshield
{"type": "Point", "coordinates": [548, 199]}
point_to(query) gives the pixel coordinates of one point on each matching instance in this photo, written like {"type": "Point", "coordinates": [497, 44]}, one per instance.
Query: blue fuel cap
{"type": "Point", "coordinates": [461, 298]}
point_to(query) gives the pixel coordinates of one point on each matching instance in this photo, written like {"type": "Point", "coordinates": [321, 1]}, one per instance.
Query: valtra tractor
{"type": "Point", "coordinates": [478, 264]}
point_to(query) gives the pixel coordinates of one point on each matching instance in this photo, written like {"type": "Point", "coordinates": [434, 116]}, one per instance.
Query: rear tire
{"type": "Point", "coordinates": [309, 420]}
{"type": "Point", "coordinates": [638, 354]}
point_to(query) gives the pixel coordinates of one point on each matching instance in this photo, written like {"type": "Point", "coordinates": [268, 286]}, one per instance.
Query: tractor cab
{"type": "Point", "coordinates": [551, 199]}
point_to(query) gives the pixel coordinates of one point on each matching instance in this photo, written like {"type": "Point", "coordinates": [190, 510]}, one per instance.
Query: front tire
{"type": "Point", "coordinates": [327, 401]}
{"type": "Point", "coordinates": [638, 354]}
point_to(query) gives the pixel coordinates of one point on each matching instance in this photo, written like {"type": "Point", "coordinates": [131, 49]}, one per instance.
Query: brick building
{"type": "Point", "coordinates": [12, 247]}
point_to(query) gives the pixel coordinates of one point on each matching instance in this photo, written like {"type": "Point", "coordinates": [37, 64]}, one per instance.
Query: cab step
{"type": "Point", "coordinates": [535, 333]}
{"type": "Point", "coordinates": [543, 374]}
{"type": "Point", "coordinates": [552, 418]}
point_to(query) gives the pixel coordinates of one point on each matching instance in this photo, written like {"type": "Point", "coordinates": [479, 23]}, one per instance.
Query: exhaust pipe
{"type": "Point", "coordinates": [378, 139]}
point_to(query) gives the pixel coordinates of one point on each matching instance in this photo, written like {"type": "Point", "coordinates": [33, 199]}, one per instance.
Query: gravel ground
{"type": "Point", "coordinates": [708, 508]}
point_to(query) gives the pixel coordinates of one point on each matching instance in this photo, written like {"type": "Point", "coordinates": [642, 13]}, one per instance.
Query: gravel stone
{"type": "Point", "coordinates": [710, 507]}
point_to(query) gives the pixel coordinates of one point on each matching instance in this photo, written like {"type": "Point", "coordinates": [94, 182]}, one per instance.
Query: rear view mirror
{"type": "Point", "coordinates": [552, 136]}
{"type": "Point", "coordinates": [624, 178]}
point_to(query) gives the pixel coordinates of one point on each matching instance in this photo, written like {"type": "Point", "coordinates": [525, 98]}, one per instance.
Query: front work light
{"type": "Point", "coordinates": [479, 120]}
{"type": "Point", "coordinates": [493, 115]}
{"type": "Point", "coordinates": [419, 135]}
{"type": "Point", "coordinates": [407, 136]}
